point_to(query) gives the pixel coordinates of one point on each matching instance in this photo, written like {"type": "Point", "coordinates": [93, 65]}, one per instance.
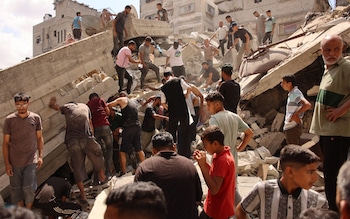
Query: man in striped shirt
{"type": "Point", "coordinates": [288, 196]}
{"type": "Point", "coordinates": [295, 108]}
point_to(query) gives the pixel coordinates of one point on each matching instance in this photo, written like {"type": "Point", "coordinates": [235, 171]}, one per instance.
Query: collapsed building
{"type": "Point", "coordinates": [73, 71]}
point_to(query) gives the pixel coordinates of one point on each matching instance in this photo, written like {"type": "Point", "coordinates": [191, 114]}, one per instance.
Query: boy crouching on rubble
{"type": "Point", "coordinates": [289, 195]}
{"type": "Point", "coordinates": [220, 176]}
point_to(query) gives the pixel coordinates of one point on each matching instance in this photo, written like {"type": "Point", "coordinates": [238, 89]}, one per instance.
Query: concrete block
{"type": "Point", "coordinates": [251, 120]}
{"type": "Point", "coordinates": [245, 114]}
{"type": "Point", "coordinates": [310, 139]}
{"type": "Point", "coordinates": [260, 132]}
{"type": "Point", "coordinates": [262, 171]}
{"type": "Point", "coordinates": [254, 126]}
{"type": "Point", "coordinates": [270, 115]}
{"type": "Point", "coordinates": [245, 184]}
{"type": "Point", "coordinates": [260, 120]}
{"type": "Point", "coordinates": [313, 91]}
{"type": "Point", "coordinates": [277, 123]}
{"type": "Point", "coordinates": [6, 108]}
{"type": "Point", "coordinates": [36, 105]}
{"type": "Point", "coordinates": [252, 143]}
{"type": "Point", "coordinates": [272, 141]}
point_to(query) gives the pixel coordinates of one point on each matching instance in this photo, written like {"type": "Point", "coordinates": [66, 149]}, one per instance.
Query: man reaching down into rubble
{"type": "Point", "coordinates": [123, 59]}
{"type": "Point", "coordinates": [289, 195]}
{"type": "Point", "coordinates": [246, 38]}
{"type": "Point", "coordinates": [81, 142]}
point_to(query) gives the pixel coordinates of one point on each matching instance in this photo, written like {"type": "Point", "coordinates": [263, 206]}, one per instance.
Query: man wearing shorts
{"type": "Point", "coordinates": [80, 142]}
{"type": "Point", "coordinates": [22, 138]}
{"type": "Point", "coordinates": [131, 135]}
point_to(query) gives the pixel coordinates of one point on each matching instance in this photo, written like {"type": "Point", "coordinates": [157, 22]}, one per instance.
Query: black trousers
{"type": "Point", "coordinates": [123, 73]}
{"type": "Point", "coordinates": [179, 129]}
{"type": "Point", "coordinates": [335, 152]}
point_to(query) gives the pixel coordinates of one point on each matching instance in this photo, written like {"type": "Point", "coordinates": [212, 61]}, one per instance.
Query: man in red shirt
{"type": "Point", "coordinates": [220, 176]}
{"type": "Point", "coordinates": [102, 131]}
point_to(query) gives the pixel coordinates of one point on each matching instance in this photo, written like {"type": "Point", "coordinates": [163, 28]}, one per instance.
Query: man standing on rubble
{"type": "Point", "coordinates": [102, 131]}
{"type": "Point", "coordinates": [22, 139]}
{"type": "Point", "coordinates": [229, 89]}
{"type": "Point", "coordinates": [131, 135]}
{"type": "Point", "coordinates": [162, 14]}
{"type": "Point", "coordinates": [222, 33]}
{"type": "Point", "coordinates": [81, 142]}
{"type": "Point", "coordinates": [146, 62]}
{"type": "Point", "coordinates": [174, 58]}
{"type": "Point", "coordinates": [119, 29]}
{"type": "Point", "coordinates": [331, 116]}
{"type": "Point", "coordinates": [76, 26]}
{"type": "Point", "coordinates": [230, 123]}
{"type": "Point", "coordinates": [209, 52]}
{"type": "Point", "coordinates": [230, 31]}
{"type": "Point", "coordinates": [259, 26]}
{"type": "Point", "coordinates": [295, 108]}
{"type": "Point", "coordinates": [175, 175]}
{"type": "Point", "coordinates": [174, 100]}
{"type": "Point", "coordinates": [246, 38]}
{"type": "Point", "coordinates": [123, 59]}
{"type": "Point", "coordinates": [270, 25]}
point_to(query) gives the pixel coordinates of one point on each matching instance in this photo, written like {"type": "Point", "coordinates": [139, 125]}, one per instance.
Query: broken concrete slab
{"type": "Point", "coordinates": [277, 123]}
{"type": "Point", "coordinates": [272, 141]}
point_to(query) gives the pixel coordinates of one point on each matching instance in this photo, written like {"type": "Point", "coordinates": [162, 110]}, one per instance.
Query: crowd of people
{"type": "Point", "coordinates": [167, 184]}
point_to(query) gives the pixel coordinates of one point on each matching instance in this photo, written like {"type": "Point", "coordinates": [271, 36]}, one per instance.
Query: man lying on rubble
{"type": "Point", "coordinates": [289, 195]}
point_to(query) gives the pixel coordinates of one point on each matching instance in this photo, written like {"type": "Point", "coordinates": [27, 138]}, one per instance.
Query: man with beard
{"type": "Point", "coordinates": [331, 117]}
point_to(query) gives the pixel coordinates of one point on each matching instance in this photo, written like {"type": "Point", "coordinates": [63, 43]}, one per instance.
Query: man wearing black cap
{"type": "Point", "coordinates": [245, 37]}
{"type": "Point", "coordinates": [174, 58]}
{"type": "Point", "coordinates": [123, 59]}
{"type": "Point", "coordinates": [22, 138]}
{"type": "Point", "coordinates": [229, 89]}
{"type": "Point", "coordinates": [146, 62]}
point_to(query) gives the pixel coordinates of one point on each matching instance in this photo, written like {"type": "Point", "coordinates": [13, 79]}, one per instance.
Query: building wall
{"type": "Point", "coordinates": [289, 14]}
{"type": "Point", "coordinates": [51, 33]}
{"type": "Point", "coordinates": [185, 16]}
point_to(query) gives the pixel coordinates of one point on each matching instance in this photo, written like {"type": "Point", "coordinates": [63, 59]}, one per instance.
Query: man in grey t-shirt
{"type": "Point", "coordinates": [144, 51]}
{"type": "Point", "coordinates": [81, 142]}
{"type": "Point", "coordinates": [22, 138]}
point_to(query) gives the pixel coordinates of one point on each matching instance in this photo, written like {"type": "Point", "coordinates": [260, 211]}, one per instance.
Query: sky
{"type": "Point", "coordinates": [17, 18]}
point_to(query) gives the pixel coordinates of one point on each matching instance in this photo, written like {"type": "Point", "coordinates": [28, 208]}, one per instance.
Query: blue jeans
{"type": "Point", "coordinates": [23, 184]}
